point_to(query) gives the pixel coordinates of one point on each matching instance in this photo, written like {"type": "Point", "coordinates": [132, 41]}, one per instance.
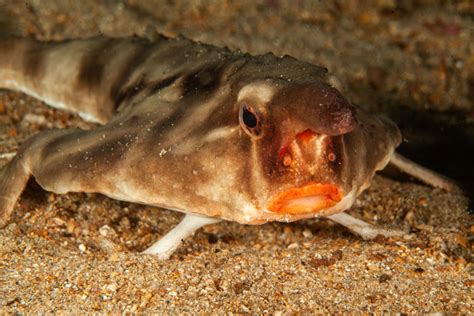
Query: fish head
{"type": "Point", "coordinates": [311, 151]}
{"type": "Point", "coordinates": [269, 141]}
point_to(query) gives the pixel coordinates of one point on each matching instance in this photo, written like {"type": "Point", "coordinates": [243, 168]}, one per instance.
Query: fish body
{"type": "Point", "coordinates": [193, 128]}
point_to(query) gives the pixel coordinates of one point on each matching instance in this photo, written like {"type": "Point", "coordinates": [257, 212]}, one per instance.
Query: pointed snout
{"type": "Point", "coordinates": [335, 115]}
{"type": "Point", "coordinates": [323, 108]}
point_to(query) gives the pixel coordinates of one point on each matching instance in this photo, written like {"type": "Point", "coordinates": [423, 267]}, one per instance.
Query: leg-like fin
{"type": "Point", "coordinates": [165, 247]}
{"type": "Point", "coordinates": [361, 228]}
{"type": "Point", "coordinates": [13, 179]}
{"type": "Point", "coordinates": [421, 173]}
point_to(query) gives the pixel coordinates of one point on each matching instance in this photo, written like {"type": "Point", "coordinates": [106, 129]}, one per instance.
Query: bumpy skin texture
{"type": "Point", "coordinates": [174, 134]}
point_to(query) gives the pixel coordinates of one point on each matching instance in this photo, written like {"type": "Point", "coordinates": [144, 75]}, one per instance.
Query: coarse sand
{"type": "Point", "coordinates": [410, 60]}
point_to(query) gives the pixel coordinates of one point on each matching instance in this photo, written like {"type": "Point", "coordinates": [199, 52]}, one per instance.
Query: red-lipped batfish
{"type": "Point", "coordinates": [212, 133]}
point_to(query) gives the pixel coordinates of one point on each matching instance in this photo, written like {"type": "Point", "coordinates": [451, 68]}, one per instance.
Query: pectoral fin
{"type": "Point", "coordinates": [423, 174]}
{"type": "Point", "coordinates": [361, 228]}
{"type": "Point", "coordinates": [165, 247]}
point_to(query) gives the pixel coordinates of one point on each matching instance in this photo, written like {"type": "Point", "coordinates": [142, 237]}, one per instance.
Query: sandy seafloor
{"type": "Point", "coordinates": [411, 60]}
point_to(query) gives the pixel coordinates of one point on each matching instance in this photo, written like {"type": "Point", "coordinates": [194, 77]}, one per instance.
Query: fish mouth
{"type": "Point", "coordinates": [310, 198]}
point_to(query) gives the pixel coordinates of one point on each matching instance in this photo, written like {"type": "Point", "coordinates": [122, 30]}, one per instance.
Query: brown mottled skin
{"type": "Point", "coordinates": [171, 135]}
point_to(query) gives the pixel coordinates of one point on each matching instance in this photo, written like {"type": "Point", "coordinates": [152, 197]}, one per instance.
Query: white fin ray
{"type": "Point", "coordinates": [361, 228]}
{"type": "Point", "coordinates": [165, 247]}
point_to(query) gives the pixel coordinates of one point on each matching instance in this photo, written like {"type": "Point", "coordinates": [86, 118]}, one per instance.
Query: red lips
{"type": "Point", "coordinates": [310, 198]}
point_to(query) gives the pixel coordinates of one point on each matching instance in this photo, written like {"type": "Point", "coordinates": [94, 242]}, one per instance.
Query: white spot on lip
{"type": "Point", "coordinates": [260, 90]}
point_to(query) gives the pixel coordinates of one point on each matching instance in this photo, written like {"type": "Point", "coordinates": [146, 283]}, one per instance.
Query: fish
{"type": "Point", "coordinates": [202, 130]}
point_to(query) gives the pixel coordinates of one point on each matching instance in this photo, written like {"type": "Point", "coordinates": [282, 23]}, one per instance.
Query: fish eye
{"type": "Point", "coordinates": [250, 121]}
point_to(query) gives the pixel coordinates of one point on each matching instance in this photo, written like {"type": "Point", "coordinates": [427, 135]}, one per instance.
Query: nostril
{"type": "Point", "coordinates": [287, 160]}
{"type": "Point", "coordinates": [285, 157]}
{"type": "Point", "coordinates": [331, 157]}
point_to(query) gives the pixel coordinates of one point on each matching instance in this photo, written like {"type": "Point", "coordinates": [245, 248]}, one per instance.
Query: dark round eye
{"type": "Point", "coordinates": [250, 121]}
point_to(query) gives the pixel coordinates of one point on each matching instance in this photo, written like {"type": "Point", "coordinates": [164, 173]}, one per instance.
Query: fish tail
{"type": "Point", "coordinates": [52, 71]}
{"type": "Point", "coordinates": [84, 76]}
